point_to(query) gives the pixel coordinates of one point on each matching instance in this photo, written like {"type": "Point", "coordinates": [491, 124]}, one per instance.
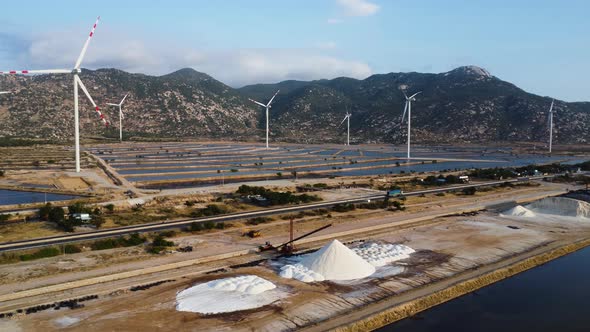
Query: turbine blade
{"type": "Point", "coordinates": [405, 110]}
{"type": "Point", "coordinates": [273, 97]}
{"type": "Point", "coordinates": [551, 107]}
{"type": "Point", "coordinates": [415, 94]}
{"type": "Point", "coordinates": [254, 101]}
{"type": "Point", "coordinates": [405, 95]}
{"type": "Point", "coordinates": [85, 47]}
{"type": "Point", "coordinates": [122, 101]}
{"type": "Point", "coordinates": [4, 92]}
{"type": "Point", "coordinates": [343, 120]}
{"type": "Point", "coordinates": [96, 108]}
{"type": "Point", "coordinates": [111, 104]}
{"type": "Point", "coordinates": [42, 71]}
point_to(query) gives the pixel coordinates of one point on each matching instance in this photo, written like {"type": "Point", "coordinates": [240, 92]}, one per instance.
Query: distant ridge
{"type": "Point", "coordinates": [466, 104]}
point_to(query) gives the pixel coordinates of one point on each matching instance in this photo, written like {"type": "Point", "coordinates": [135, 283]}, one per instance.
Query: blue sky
{"type": "Point", "coordinates": [542, 46]}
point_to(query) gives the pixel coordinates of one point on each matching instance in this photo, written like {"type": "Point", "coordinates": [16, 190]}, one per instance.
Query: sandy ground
{"type": "Point", "coordinates": [72, 267]}
{"type": "Point", "coordinates": [447, 246]}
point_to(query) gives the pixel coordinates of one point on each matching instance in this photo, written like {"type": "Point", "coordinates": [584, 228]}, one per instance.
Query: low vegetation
{"type": "Point", "coordinates": [276, 197]}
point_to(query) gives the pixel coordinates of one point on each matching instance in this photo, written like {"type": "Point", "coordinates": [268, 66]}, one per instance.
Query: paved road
{"type": "Point", "coordinates": [158, 226]}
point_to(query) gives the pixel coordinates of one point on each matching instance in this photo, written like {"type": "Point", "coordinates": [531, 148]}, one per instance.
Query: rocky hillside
{"type": "Point", "coordinates": [467, 104]}
{"type": "Point", "coordinates": [185, 103]}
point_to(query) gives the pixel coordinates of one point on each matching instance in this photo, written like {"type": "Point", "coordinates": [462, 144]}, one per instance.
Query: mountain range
{"type": "Point", "coordinates": [464, 105]}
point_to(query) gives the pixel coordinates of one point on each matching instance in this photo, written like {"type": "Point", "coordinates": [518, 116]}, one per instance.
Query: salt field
{"type": "Point", "coordinates": [507, 306]}
{"type": "Point", "coordinates": [154, 164]}
{"type": "Point", "coordinates": [10, 197]}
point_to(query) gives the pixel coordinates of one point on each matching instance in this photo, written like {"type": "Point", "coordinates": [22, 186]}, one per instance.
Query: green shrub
{"type": "Point", "coordinates": [72, 249]}
{"type": "Point", "coordinates": [110, 207]}
{"type": "Point", "coordinates": [209, 225]}
{"type": "Point", "coordinates": [160, 241]}
{"type": "Point", "coordinates": [343, 207]}
{"type": "Point", "coordinates": [41, 253]}
{"type": "Point", "coordinates": [220, 225]}
{"type": "Point", "coordinates": [258, 220]}
{"type": "Point", "coordinates": [196, 227]}
{"type": "Point", "coordinates": [469, 191]}
{"type": "Point", "coordinates": [104, 244]}
{"type": "Point", "coordinates": [156, 250]}
{"type": "Point", "coordinates": [167, 233]}
{"type": "Point", "coordinates": [134, 240]}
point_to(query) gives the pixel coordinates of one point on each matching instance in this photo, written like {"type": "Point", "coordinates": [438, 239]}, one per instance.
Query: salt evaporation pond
{"type": "Point", "coordinates": [228, 295]}
{"type": "Point", "coordinates": [10, 197]}
{"type": "Point", "coordinates": [550, 297]}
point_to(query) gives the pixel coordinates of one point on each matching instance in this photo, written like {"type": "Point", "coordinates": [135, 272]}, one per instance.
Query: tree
{"type": "Point", "coordinates": [97, 221]}
{"type": "Point", "coordinates": [469, 191]}
{"type": "Point", "coordinates": [44, 212]}
{"type": "Point", "coordinates": [110, 207]}
{"type": "Point", "coordinates": [2, 172]}
{"type": "Point", "coordinates": [56, 214]}
{"type": "Point", "coordinates": [78, 207]}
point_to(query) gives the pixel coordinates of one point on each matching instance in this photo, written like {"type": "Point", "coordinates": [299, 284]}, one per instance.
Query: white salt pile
{"type": "Point", "coordinates": [383, 254]}
{"type": "Point", "coordinates": [334, 261]}
{"type": "Point", "coordinates": [519, 211]}
{"type": "Point", "coordinates": [561, 206]}
{"type": "Point", "coordinates": [228, 295]}
{"type": "Point", "coordinates": [243, 284]}
{"type": "Point", "coordinates": [66, 321]}
{"type": "Point", "coordinates": [301, 273]}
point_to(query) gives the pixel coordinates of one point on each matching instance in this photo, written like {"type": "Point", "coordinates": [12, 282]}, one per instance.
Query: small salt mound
{"type": "Point", "coordinates": [519, 211]}
{"type": "Point", "coordinates": [301, 273]}
{"type": "Point", "coordinates": [336, 261]}
{"type": "Point", "coordinates": [561, 206]}
{"type": "Point", "coordinates": [245, 284]}
{"type": "Point", "coordinates": [66, 321]}
{"type": "Point", "coordinates": [383, 254]}
{"type": "Point", "coordinates": [228, 295]}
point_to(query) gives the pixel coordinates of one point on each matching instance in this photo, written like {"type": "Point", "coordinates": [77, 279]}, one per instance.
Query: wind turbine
{"type": "Point", "coordinates": [4, 92]}
{"type": "Point", "coordinates": [120, 117]}
{"type": "Point", "coordinates": [77, 83]}
{"type": "Point", "coordinates": [551, 126]}
{"type": "Point", "coordinates": [347, 117]}
{"type": "Point", "coordinates": [267, 107]}
{"type": "Point", "coordinates": [408, 108]}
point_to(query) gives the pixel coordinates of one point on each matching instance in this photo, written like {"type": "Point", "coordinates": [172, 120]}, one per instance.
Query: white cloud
{"type": "Point", "coordinates": [328, 45]}
{"type": "Point", "coordinates": [235, 67]}
{"type": "Point", "coordinates": [247, 66]}
{"type": "Point", "coordinates": [358, 7]}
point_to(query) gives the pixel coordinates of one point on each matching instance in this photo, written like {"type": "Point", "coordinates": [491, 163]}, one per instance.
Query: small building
{"type": "Point", "coordinates": [259, 200]}
{"type": "Point", "coordinates": [464, 178]}
{"type": "Point", "coordinates": [441, 181]}
{"type": "Point", "coordinates": [84, 217]}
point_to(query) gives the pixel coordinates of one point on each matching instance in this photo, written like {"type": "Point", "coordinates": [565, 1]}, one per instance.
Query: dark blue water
{"type": "Point", "coordinates": [9, 197]}
{"type": "Point", "coordinates": [551, 297]}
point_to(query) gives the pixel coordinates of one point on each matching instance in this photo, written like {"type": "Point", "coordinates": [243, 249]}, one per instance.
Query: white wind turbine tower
{"type": "Point", "coordinates": [347, 117]}
{"type": "Point", "coordinates": [551, 126]}
{"type": "Point", "coordinates": [4, 92]}
{"type": "Point", "coordinates": [267, 107]}
{"type": "Point", "coordinates": [77, 83]}
{"type": "Point", "coordinates": [120, 116]}
{"type": "Point", "coordinates": [408, 108]}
